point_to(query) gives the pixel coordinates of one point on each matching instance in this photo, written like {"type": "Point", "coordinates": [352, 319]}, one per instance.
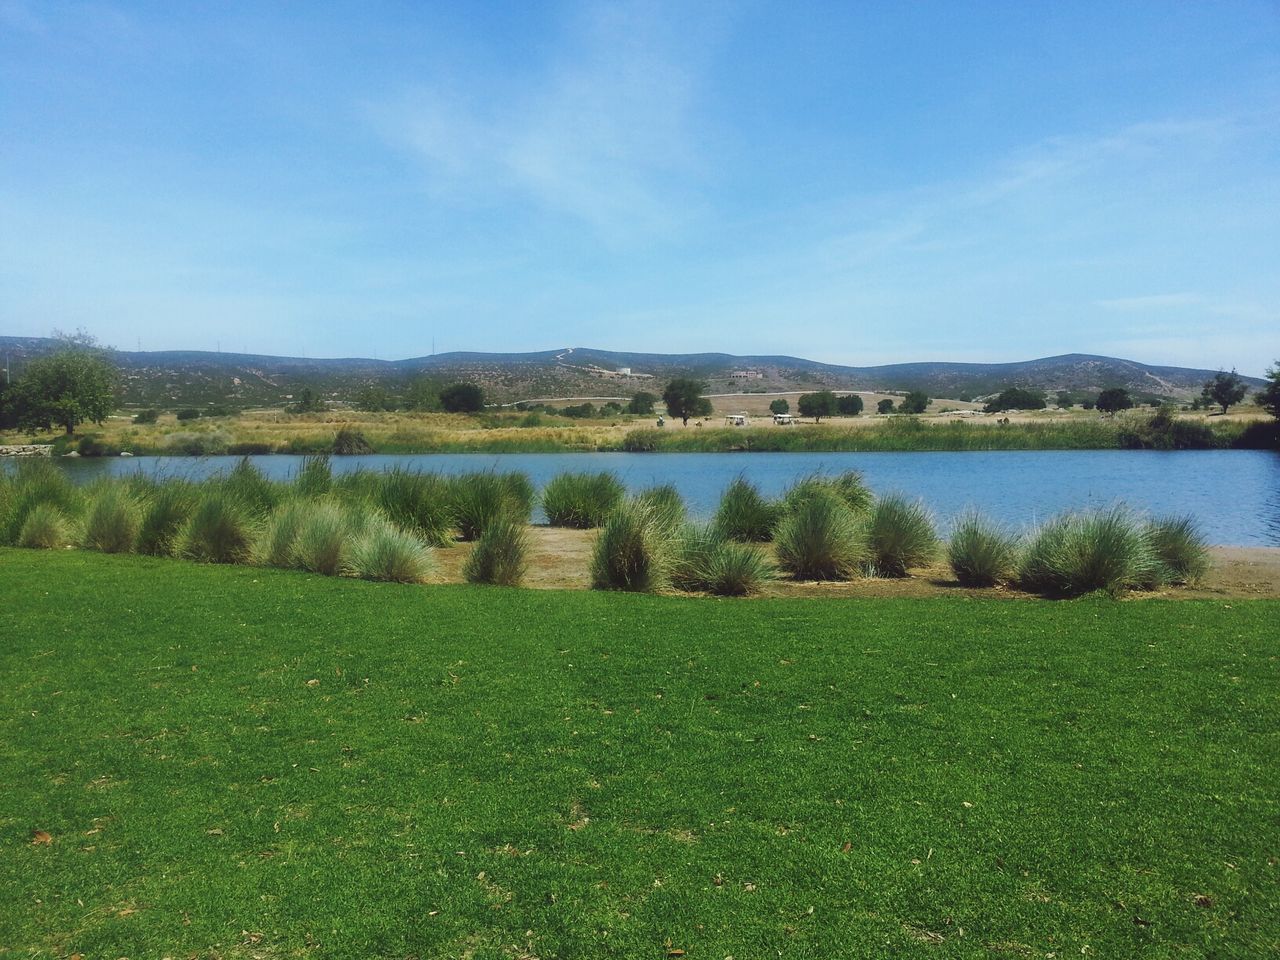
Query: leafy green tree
{"type": "Point", "coordinates": [307, 402]}
{"type": "Point", "coordinates": [817, 405]}
{"type": "Point", "coordinates": [422, 394]}
{"type": "Point", "coordinates": [1016, 398]}
{"type": "Point", "coordinates": [849, 405]}
{"type": "Point", "coordinates": [187, 413]}
{"type": "Point", "coordinates": [1113, 400]}
{"type": "Point", "coordinates": [884, 406]}
{"type": "Point", "coordinates": [684, 399]}
{"type": "Point", "coordinates": [917, 401]}
{"type": "Point", "coordinates": [74, 384]}
{"type": "Point", "coordinates": [779, 406]}
{"type": "Point", "coordinates": [1224, 389]}
{"type": "Point", "coordinates": [1268, 398]}
{"type": "Point", "coordinates": [462, 398]}
{"type": "Point", "coordinates": [374, 399]}
{"type": "Point", "coordinates": [642, 403]}
{"type": "Point", "coordinates": [1064, 400]}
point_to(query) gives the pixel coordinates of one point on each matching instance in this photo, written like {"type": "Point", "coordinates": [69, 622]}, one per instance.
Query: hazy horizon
{"type": "Point", "coordinates": [993, 182]}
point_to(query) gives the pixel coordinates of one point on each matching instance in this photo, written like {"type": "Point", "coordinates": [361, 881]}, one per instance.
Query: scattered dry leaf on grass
{"type": "Point", "coordinates": [39, 837]}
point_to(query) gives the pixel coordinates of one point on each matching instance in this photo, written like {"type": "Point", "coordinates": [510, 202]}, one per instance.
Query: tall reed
{"type": "Point", "coordinates": [581, 500]}
{"type": "Point", "coordinates": [500, 556]}
{"type": "Point", "coordinates": [821, 539]}
{"type": "Point", "coordinates": [112, 521]}
{"type": "Point", "coordinates": [900, 536]}
{"type": "Point", "coordinates": [633, 551]}
{"type": "Point", "coordinates": [744, 514]}
{"type": "Point", "coordinates": [220, 529]}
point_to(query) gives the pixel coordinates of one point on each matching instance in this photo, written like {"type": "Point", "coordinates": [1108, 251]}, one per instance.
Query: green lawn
{"type": "Point", "coordinates": [240, 762]}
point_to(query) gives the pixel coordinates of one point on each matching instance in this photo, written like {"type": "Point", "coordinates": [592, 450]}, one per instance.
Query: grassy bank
{"type": "Point", "coordinates": [238, 762]}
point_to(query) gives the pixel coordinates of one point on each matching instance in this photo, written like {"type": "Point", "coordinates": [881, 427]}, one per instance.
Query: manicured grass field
{"type": "Point", "coordinates": [242, 762]}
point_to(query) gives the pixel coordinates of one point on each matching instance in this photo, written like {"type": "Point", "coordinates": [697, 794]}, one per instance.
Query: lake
{"type": "Point", "coordinates": [1234, 494]}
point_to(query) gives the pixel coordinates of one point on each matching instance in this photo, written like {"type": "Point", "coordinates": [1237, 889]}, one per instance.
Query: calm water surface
{"type": "Point", "coordinates": [1234, 494]}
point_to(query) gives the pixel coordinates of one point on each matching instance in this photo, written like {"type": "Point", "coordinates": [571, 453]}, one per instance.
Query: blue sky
{"type": "Point", "coordinates": [852, 182]}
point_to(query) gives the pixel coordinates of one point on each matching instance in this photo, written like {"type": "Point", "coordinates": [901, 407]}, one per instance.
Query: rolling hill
{"type": "Point", "coordinates": [171, 378]}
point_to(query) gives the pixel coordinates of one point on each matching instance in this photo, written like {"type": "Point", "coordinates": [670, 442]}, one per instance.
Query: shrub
{"type": "Point", "coordinates": [703, 559]}
{"type": "Point", "coordinates": [314, 478]}
{"type": "Point", "coordinates": [900, 535]}
{"type": "Point", "coordinates": [581, 500]}
{"type": "Point", "coordinates": [112, 522]}
{"type": "Point", "coordinates": [164, 512]}
{"type": "Point", "coordinates": [92, 446]}
{"type": "Point", "coordinates": [1179, 548]}
{"type": "Point", "coordinates": [351, 442]}
{"type": "Point", "coordinates": [821, 539]}
{"type": "Point", "coordinates": [632, 552]}
{"type": "Point", "coordinates": [187, 413]}
{"type": "Point", "coordinates": [198, 444]}
{"type": "Point", "coordinates": [847, 487]}
{"type": "Point", "coordinates": [383, 551]}
{"type": "Point", "coordinates": [43, 528]}
{"type": "Point", "coordinates": [462, 398]}
{"type": "Point", "coordinates": [667, 504]}
{"type": "Point", "coordinates": [744, 514]}
{"type": "Point", "coordinates": [1080, 553]}
{"type": "Point", "coordinates": [479, 498]}
{"type": "Point", "coordinates": [499, 556]}
{"type": "Point", "coordinates": [219, 530]}
{"type": "Point", "coordinates": [250, 448]}
{"type": "Point", "coordinates": [275, 546]}
{"type": "Point", "coordinates": [980, 553]}
{"type": "Point", "coordinates": [146, 416]}
{"type": "Point", "coordinates": [324, 533]}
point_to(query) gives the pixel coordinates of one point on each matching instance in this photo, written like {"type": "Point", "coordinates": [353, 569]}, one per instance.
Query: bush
{"type": "Point", "coordinates": [43, 528]}
{"type": "Point", "coordinates": [821, 539]}
{"type": "Point", "coordinates": [462, 398]}
{"type": "Point", "coordinates": [744, 514]}
{"type": "Point", "coordinates": [500, 555]}
{"type": "Point", "coordinates": [219, 530]}
{"type": "Point", "coordinates": [112, 522]}
{"type": "Point", "coordinates": [314, 478]}
{"type": "Point", "coordinates": [581, 500]}
{"type": "Point", "coordinates": [632, 552]}
{"type": "Point", "coordinates": [146, 416]}
{"type": "Point", "coordinates": [164, 512]}
{"type": "Point", "coordinates": [1079, 553]}
{"type": "Point", "coordinates": [383, 551]}
{"type": "Point", "coordinates": [275, 546]}
{"type": "Point", "coordinates": [324, 533]}
{"type": "Point", "coordinates": [349, 441]}
{"type": "Point", "coordinates": [705, 560]}
{"type": "Point", "coordinates": [980, 553]}
{"type": "Point", "coordinates": [477, 499]}
{"type": "Point", "coordinates": [209, 444]}
{"type": "Point", "coordinates": [667, 504]}
{"type": "Point", "coordinates": [847, 487]}
{"type": "Point", "coordinates": [1179, 548]}
{"type": "Point", "coordinates": [900, 535]}
{"type": "Point", "coordinates": [187, 413]}
{"type": "Point", "coordinates": [92, 446]}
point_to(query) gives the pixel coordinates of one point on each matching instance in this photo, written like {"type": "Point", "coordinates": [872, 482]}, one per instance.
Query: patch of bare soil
{"type": "Point", "coordinates": [560, 559]}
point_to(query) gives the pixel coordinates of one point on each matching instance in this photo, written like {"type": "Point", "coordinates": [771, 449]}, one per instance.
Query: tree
{"type": "Point", "coordinates": [684, 399]}
{"type": "Point", "coordinates": [817, 405]}
{"type": "Point", "coordinates": [850, 405]}
{"type": "Point", "coordinates": [1268, 398]}
{"type": "Point", "coordinates": [374, 399]}
{"type": "Point", "coordinates": [1064, 400]}
{"type": "Point", "coordinates": [1225, 389]}
{"type": "Point", "coordinates": [779, 406]}
{"type": "Point", "coordinates": [422, 394]}
{"type": "Point", "coordinates": [642, 403]}
{"type": "Point", "coordinates": [307, 402]}
{"type": "Point", "coordinates": [1016, 398]}
{"type": "Point", "coordinates": [917, 401]}
{"type": "Point", "coordinates": [74, 384]}
{"type": "Point", "coordinates": [884, 406]}
{"type": "Point", "coordinates": [462, 398]}
{"type": "Point", "coordinates": [1114, 399]}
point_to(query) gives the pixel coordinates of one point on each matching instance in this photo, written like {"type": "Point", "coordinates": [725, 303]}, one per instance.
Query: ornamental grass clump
{"type": "Point", "coordinates": [744, 514]}
{"type": "Point", "coordinates": [633, 551]}
{"type": "Point", "coordinates": [112, 521]}
{"type": "Point", "coordinates": [705, 560]}
{"type": "Point", "coordinates": [500, 556]}
{"type": "Point", "coordinates": [900, 536]}
{"type": "Point", "coordinates": [219, 530]}
{"type": "Point", "coordinates": [36, 481]}
{"type": "Point", "coordinates": [477, 499]}
{"type": "Point", "coordinates": [250, 488]}
{"type": "Point", "coordinates": [325, 532]}
{"type": "Point", "coordinates": [164, 511]}
{"type": "Point", "coordinates": [1179, 548]}
{"type": "Point", "coordinates": [848, 487]}
{"type": "Point", "coordinates": [581, 500]}
{"type": "Point", "coordinates": [821, 538]}
{"type": "Point", "coordinates": [384, 551]}
{"type": "Point", "coordinates": [414, 501]}
{"type": "Point", "coordinates": [1105, 550]}
{"type": "Point", "coordinates": [667, 504]}
{"type": "Point", "coordinates": [44, 528]}
{"type": "Point", "coordinates": [314, 477]}
{"type": "Point", "coordinates": [980, 552]}
{"type": "Point", "coordinates": [275, 545]}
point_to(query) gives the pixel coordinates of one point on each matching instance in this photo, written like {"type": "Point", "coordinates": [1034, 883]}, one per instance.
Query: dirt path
{"type": "Point", "coordinates": [560, 559]}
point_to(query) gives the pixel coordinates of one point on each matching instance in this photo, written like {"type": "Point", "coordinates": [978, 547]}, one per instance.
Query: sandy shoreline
{"type": "Point", "coordinates": [560, 559]}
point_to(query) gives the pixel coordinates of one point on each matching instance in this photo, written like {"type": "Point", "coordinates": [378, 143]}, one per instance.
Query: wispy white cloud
{"type": "Point", "coordinates": [602, 135]}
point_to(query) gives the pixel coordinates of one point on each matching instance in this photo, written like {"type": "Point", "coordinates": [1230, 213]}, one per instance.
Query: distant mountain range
{"type": "Point", "coordinates": [188, 377]}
